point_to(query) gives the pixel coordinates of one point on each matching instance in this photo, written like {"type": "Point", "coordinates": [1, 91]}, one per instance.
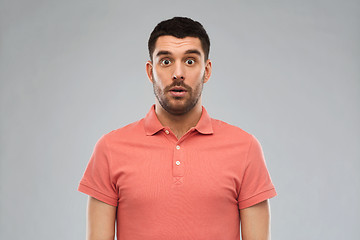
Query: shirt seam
{"type": "Point", "coordinates": [86, 185]}
{"type": "Point", "coordinates": [272, 188]}
{"type": "Point", "coordinates": [246, 162]}
{"type": "Point", "coordinates": [109, 162]}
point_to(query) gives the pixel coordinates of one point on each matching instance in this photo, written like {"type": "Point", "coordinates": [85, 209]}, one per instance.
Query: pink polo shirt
{"type": "Point", "coordinates": [178, 189]}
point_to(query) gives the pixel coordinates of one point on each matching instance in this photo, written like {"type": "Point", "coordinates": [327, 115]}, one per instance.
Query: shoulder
{"type": "Point", "coordinates": [224, 128]}
{"type": "Point", "coordinates": [130, 131]}
{"type": "Point", "coordinates": [231, 133]}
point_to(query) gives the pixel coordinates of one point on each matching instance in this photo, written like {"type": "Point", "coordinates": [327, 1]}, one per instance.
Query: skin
{"type": "Point", "coordinates": [255, 222]}
{"type": "Point", "coordinates": [100, 220]}
{"type": "Point", "coordinates": [187, 67]}
{"type": "Point", "coordinates": [173, 64]}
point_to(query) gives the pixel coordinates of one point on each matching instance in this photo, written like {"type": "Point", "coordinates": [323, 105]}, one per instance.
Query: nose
{"type": "Point", "coordinates": [175, 77]}
{"type": "Point", "coordinates": [179, 72]}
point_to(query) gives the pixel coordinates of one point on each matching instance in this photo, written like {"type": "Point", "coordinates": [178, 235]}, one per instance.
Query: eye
{"type": "Point", "coordinates": [165, 62]}
{"type": "Point", "coordinates": [190, 61]}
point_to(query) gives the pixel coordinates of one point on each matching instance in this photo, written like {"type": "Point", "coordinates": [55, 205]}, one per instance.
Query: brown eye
{"type": "Point", "coordinates": [165, 62]}
{"type": "Point", "coordinates": [190, 61]}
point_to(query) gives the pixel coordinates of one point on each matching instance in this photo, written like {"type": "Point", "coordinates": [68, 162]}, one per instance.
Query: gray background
{"type": "Point", "coordinates": [285, 71]}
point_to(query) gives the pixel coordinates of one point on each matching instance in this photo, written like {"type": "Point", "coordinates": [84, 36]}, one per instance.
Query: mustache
{"type": "Point", "coordinates": [178, 84]}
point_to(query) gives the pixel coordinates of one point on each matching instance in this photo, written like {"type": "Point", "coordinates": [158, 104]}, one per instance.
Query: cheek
{"type": "Point", "coordinates": [161, 78]}
{"type": "Point", "coordinates": [196, 75]}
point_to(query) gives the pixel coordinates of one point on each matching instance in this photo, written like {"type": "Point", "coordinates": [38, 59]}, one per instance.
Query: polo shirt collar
{"type": "Point", "coordinates": [204, 125]}
{"type": "Point", "coordinates": [153, 125]}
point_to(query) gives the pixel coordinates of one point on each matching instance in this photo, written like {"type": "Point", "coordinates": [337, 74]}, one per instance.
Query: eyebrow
{"type": "Point", "coordinates": [163, 53]}
{"type": "Point", "coordinates": [191, 51]}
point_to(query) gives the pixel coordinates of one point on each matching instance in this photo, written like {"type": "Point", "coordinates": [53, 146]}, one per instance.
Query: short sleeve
{"type": "Point", "coordinates": [96, 180]}
{"type": "Point", "coordinates": [256, 185]}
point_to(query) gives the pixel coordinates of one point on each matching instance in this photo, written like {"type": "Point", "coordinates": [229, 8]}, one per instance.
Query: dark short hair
{"type": "Point", "coordinates": [180, 27]}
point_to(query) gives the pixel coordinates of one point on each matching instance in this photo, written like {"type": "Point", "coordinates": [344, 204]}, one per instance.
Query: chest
{"type": "Point", "coordinates": [153, 174]}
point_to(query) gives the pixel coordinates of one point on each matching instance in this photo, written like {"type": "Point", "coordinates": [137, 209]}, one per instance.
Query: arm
{"type": "Point", "coordinates": [100, 223]}
{"type": "Point", "coordinates": [255, 222]}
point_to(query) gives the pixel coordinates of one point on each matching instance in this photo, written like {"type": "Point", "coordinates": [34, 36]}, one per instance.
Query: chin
{"type": "Point", "coordinates": [179, 109]}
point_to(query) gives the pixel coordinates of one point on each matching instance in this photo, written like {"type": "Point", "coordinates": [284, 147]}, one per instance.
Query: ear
{"type": "Point", "coordinates": [207, 70]}
{"type": "Point", "coordinates": [149, 71]}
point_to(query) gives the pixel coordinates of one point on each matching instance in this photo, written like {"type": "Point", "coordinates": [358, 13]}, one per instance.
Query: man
{"type": "Point", "coordinates": [177, 173]}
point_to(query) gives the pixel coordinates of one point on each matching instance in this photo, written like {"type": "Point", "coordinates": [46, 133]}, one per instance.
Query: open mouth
{"type": "Point", "coordinates": [178, 91]}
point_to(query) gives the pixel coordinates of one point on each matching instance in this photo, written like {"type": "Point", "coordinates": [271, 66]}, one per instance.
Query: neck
{"type": "Point", "coordinates": [179, 124]}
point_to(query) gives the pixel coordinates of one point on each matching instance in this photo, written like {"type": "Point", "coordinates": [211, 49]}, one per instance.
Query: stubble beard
{"type": "Point", "coordinates": [190, 103]}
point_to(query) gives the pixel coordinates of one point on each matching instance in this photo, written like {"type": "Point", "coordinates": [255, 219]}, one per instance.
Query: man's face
{"type": "Point", "coordinates": [178, 72]}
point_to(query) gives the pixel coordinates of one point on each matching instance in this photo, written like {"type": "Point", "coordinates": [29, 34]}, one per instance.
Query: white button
{"type": "Point", "coordinates": [167, 131]}
{"type": "Point", "coordinates": [177, 147]}
{"type": "Point", "coordinates": [177, 162]}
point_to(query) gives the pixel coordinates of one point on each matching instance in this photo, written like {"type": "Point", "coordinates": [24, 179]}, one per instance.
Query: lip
{"type": "Point", "coordinates": [178, 91]}
{"type": "Point", "coordinates": [178, 88]}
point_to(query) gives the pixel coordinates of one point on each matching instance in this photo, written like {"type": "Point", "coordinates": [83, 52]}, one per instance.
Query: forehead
{"type": "Point", "coordinates": [177, 45]}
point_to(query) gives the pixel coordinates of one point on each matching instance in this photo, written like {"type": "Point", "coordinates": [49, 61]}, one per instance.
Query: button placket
{"type": "Point", "coordinates": [178, 163]}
